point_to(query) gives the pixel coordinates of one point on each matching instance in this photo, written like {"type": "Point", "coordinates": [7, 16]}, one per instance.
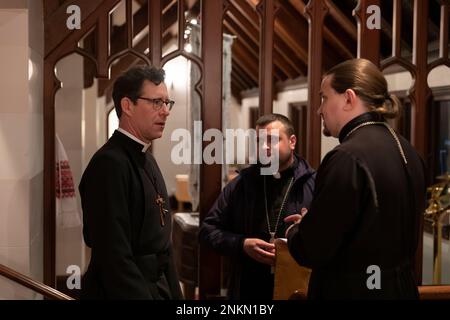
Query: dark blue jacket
{"type": "Point", "coordinates": [232, 219]}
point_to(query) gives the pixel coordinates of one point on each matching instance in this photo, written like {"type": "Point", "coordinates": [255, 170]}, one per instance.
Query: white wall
{"type": "Point", "coordinates": [21, 143]}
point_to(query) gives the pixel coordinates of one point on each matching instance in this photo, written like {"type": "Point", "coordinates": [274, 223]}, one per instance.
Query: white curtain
{"type": "Point", "coordinates": [67, 214]}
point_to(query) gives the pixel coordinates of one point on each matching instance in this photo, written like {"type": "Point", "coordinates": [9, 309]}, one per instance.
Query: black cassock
{"type": "Point", "coordinates": [365, 212]}
{"type": "Point", "coordinates": [132, 255]}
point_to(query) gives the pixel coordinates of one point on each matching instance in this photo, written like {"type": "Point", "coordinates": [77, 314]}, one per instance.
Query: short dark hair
{"type": "Point", "coordinates": [129, 84]}
{"type": "Point", "coordinates": [271, 117]}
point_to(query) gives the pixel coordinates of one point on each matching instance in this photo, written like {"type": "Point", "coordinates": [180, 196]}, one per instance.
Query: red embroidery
{"type": "Point", "coordinates": [64, 182]}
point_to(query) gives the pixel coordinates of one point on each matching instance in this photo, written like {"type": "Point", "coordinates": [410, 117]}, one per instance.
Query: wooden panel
{"type": "Point", "coordinates": [210, 177]}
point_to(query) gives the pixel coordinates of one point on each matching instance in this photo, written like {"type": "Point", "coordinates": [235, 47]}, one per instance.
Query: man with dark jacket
{"type": "Point", "coordinates": [251, 209]}
{"type": "Point", "coordinates": [126, 215]}
{"type": "Point", "coordinates": [361, 233]}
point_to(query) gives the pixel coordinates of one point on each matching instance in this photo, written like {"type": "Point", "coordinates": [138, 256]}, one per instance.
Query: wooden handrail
{"type": "Point", "coordinates": [434, 292]}
{"type": "Point", "coordinates": [32, 284]}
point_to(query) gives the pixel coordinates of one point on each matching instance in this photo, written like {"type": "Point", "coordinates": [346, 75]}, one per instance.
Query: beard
{"type": "Point", "coordinates": [326, 132]}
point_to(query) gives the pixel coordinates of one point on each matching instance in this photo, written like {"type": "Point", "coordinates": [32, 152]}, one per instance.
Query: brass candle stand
{"type": "Point", "coordinates": [439, 205]}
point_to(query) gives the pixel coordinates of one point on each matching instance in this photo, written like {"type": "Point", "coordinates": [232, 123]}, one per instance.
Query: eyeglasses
{"type": "Point", "coordinates": [159, 103]}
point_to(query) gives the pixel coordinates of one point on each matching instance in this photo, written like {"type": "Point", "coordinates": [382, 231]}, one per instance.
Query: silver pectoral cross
{"type": "Point", "coordinates": [272, 237]}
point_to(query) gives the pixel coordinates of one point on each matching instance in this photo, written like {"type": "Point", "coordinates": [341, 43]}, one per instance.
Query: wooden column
{"type": "Point", "coordinates": [155, 32]}
{"type": "Point", "coordinates": [210, 175]}
{"type": "Point", "coordinates": [50, 88]}
{"type": "Point", "coordinates": [420, 96]}
{"type": "Point", "coordinates": [368, 39]}
{"type": "Point", "coordinates": [315, 12]}
{"type": "Point", "coordinates": [267, 10]}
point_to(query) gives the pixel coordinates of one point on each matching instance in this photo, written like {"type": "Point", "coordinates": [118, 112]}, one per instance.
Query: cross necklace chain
{"type": "Point", "coordinates": [273, 233]}
{"type": "Point", "coordinates": [159, 200]}
{"type": "Point", "coordinates": [391, 131]}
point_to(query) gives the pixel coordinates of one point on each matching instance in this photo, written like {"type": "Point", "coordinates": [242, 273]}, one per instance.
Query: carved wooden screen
{"type": "Point", "coordinates": [98, 43]}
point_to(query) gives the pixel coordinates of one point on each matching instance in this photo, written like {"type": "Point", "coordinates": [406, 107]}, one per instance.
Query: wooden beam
{"type": "Point", "coordinates": [341, 19]}
{"type": "Point", "coordinates": [284, 28]}
{"type": "Point", "coordinates": [283, 68]}
{"type": "Point", "coordinates": [248, 12]}
{"type": "Point", "coordinates": [236, 80]}
{"type": "Point", "coordinates": [329, 35]}
{"type": "Point", "coordinates": [250, 66]}
{"type": "Point", "coordinates": [236, 91]}
{"type": "Point", "coordinates": [285, 25]}
{"type": "Point", "coordinates": [288, 54]}
{"type": "Point", "coordinates": [246, 18]}
{"type": "Point", "coordinates": [210, 175]}
{"type": "Point", "coordinates": [232, 28]}
{"type": "Point", "coordinates": [244, 75]}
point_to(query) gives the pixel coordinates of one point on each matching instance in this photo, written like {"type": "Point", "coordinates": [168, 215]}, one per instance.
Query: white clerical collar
{"type": "Point", "coordinates": [129, 135]}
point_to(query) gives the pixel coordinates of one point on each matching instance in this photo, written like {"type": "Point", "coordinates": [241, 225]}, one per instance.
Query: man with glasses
{"type": "Point", "coordinates": [126, 215]}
